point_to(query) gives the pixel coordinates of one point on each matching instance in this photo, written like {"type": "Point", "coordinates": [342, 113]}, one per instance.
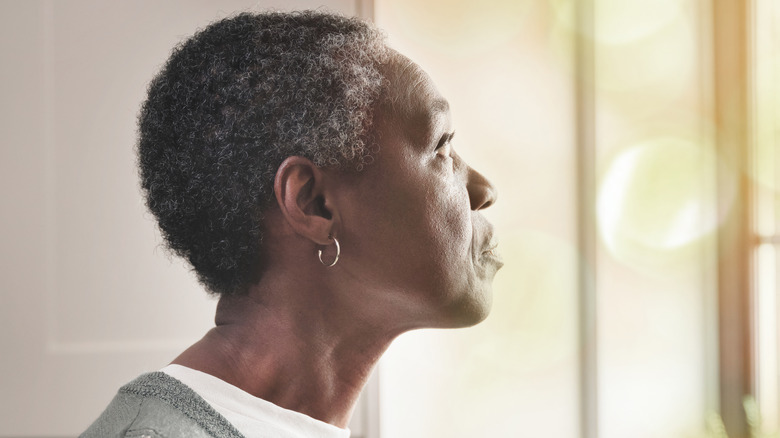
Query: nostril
{"type": "Point", "coordinates": [492, 196]}
{"type": "Point", "coordinates": [482, 195]}
{"type": "Point", "coordinates": [489, 200]}
{"type": "Point", "coordinates": [481, 192]}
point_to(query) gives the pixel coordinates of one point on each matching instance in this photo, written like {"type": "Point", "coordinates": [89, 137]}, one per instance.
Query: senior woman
{"type": "Point", "coordinates": [306, 172]}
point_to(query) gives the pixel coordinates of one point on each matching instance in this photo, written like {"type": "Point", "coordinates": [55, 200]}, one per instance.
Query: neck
{"type": "Point", "coordinates": [301, 353]}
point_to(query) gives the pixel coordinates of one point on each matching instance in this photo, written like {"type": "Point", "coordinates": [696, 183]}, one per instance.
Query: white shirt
{"type": "Point", "coordinates": [252, 416]}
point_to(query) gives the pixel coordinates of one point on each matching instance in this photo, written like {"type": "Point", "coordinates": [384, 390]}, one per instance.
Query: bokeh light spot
{"type": "Point", "coordinates": [653, 203]}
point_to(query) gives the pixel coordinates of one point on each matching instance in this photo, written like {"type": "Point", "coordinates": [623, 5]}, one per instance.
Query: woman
{"type": "Point", "coordinates": [306, 171]}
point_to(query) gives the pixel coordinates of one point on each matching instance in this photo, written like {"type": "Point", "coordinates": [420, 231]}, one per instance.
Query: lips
{"type": "Point", "coordinates": [491, 252]}
{"type": "Point", "coordinates": [484, 238]}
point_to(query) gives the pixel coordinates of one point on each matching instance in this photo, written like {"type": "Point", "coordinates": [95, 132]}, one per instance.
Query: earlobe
{"type": "Point", "coordinates": [300, 190]}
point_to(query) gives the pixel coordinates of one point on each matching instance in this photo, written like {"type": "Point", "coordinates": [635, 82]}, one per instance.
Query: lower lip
{"type": "Point", "coordinates": [494, 256]}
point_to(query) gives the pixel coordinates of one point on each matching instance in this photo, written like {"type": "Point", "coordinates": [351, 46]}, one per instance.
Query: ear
{"type": "Point", "coordinates": [301, 193]}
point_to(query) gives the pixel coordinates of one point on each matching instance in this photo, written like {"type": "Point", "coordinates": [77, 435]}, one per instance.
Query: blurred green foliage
{"type": "Point", "coordinates": [716, 429]}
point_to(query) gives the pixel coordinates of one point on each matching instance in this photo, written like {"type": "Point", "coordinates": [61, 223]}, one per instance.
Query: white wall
{"type": "Point", "coordinates": [89, 297]}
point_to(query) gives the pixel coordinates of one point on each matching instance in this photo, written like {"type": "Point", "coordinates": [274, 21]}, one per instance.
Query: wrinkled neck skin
{"type": "Point", "coordinates": [305, 338]}
{"type": "Point", "coordinates": [309, 360]}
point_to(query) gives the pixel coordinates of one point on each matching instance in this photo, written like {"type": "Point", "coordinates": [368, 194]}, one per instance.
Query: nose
{"type": "Point", "coordinates": [482, 193]}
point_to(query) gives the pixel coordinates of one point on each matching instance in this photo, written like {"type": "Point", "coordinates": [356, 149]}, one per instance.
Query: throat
{"type": "Point", "coordinates": [320, 379]}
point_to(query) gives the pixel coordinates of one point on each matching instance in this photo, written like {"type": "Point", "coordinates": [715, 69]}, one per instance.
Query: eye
{"type": "Point", "coordinates": [443, 147]}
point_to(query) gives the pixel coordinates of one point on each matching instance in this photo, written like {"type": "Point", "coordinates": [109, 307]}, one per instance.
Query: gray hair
{"type": "Point", "coordinates": [231, 103]}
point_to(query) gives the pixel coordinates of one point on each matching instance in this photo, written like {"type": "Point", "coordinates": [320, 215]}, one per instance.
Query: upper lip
{"type": "Point", "coordinates": [491, 245]}
{"type": "Point", "coordinates": [491, 253]}
{"type": "Point", "coordinates": [485, 234]}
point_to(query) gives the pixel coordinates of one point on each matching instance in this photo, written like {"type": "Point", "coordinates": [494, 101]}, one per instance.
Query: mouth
{"type": "Point", "coordinates": [485, 239]}
{"type": "Point", "coordinates": [491, 250]}
{"type": "Point", "coordinates": [491, 253]}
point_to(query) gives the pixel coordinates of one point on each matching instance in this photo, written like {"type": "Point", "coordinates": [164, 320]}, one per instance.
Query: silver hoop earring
{"type": "Point", "coordinates": [338, 252]}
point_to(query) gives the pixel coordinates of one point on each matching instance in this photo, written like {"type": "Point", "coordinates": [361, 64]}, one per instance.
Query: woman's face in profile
{"type": "Point", "coordinates": [416, 228]}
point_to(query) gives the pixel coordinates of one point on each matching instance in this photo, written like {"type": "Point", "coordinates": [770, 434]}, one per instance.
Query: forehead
{"type": "Point", "coordinates": [412, 103]}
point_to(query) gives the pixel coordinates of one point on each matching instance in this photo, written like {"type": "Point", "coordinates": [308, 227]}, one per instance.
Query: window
{"type": "Point", "coordinates": [765, 172]}
{"type": "Point", "coordinates": [616, 132]}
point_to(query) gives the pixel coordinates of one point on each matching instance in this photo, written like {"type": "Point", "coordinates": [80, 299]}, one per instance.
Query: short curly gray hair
{"type": "Point", "coordinates": [232, 102]}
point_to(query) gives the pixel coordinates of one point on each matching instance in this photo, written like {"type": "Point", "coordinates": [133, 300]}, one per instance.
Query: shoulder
{"type": "Point", "coordinates": [157, 405]}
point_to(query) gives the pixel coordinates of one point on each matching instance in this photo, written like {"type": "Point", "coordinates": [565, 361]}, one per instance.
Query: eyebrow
{"type": "Point", "coordinates": [441, 106]}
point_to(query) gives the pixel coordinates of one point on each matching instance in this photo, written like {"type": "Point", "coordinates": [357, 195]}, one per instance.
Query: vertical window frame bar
{"type": "Point", "coordinates": [732, 56]}
{"type": "Point", "coordinates": [585, 120]}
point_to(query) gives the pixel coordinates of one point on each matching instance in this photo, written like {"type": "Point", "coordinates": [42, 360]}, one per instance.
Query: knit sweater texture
{"type": "Point", "coordinates": [155, 405]}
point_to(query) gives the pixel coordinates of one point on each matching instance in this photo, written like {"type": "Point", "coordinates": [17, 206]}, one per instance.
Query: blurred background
{"type": "Point", "coordinates": [634, 147]}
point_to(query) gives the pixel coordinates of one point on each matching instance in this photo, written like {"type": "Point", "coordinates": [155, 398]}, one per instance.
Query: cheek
{"type": "Point", "coordinates": [434, 210]}
{"type": "Point", "coordinates": [454, 231]}
{"type": "Point", "coordinates": [415, 229]}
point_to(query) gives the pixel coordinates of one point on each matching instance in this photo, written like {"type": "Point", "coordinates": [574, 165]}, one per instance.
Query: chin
{"type": "Point", "coordinates": [470, 311]}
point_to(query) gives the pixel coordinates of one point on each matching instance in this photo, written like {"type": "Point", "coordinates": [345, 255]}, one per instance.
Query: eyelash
{"type": "Point", "coordinates": [445, 140]}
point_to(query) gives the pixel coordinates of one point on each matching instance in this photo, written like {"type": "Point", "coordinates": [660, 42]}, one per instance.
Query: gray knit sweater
{"type": "Point", "coordinates": [156, 405]}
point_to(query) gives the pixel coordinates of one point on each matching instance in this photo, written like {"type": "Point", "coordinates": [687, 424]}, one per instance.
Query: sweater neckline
{"type": "Point", "coordinates": [170, 390]}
